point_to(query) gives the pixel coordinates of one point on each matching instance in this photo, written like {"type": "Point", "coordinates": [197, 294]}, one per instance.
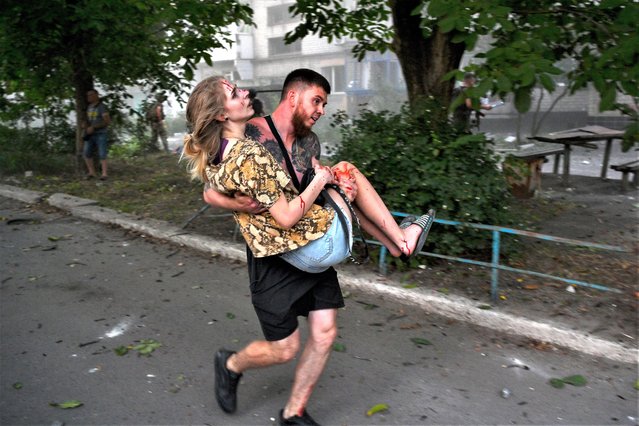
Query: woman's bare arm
{"type": "Point", "coordinates": [286, 213]}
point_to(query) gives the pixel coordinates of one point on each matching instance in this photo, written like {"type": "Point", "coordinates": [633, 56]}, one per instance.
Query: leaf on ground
{"type": "Point", "coordinates": [67, 404]}
{"type": "Point", "coordinates": [443, 290]}
{"type": "Point", "coordinates": [147, 346]}
{"type": "Point", "coordinates": [339, 347]}
{"type": "Point", "coordinates": [53, 238]}
{"type": "Point", "coordinates": [17, 385]}
{"type": "Point", "coordinates": [576, 380]}
{"type": "Point", "coordinates": [556, 383]}
{"type": "Point", "coordinates": [121, 350]}
{"type": "Point", "coordinates": [637, 385]}
{"type": "Point", "coordinates": [377, 408]}
{"type": "Point", "coordinates": [485, 307]}
{"type": "Point", "coordinates": [410, 286]}
{"type": "Point", "coordinates": [531, 287]}
{"type": "Point", "coordinates": [230, 315]}
{"type": "Point", "coordinates": [421, 341]}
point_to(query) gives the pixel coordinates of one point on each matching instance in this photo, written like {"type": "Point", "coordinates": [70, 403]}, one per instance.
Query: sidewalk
{"type": "Point", "coordinates": [454, 307]}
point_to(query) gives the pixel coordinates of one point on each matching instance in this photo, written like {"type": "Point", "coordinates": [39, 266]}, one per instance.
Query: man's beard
{"type": "Point", "coordinates": [301, 130]}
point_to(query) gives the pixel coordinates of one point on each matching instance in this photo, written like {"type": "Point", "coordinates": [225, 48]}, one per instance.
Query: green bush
{"type": "Point", "coordinates": [32, 149]}
{"type": "Point", "coordinates": [416, 163]}
{"type": "Point", "coordinates": [131, 148]}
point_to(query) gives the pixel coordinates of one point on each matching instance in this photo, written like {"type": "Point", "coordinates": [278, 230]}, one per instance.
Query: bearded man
{"type": "Point", "coordinates": [280, 293]}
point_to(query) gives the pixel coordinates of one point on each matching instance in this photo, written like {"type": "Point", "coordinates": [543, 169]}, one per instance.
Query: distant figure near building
{"type": "Point", "coordinates": [95, 134]}
{"type": "Point", "coordinates": [155, 115]}
{"type": "Point", "coordinates": [462, 117]}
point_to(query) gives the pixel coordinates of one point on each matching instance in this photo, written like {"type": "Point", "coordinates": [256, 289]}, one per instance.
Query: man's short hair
{"type": "Point", "coordinates": [305, 77]}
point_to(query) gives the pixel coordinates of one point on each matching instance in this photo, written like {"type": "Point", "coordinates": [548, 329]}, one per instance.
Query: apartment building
{"type": "Point", "coordinates": [260, 59]}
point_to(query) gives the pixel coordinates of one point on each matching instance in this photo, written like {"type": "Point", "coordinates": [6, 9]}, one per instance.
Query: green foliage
{"type": "Point", "coordinates": [331, 19]}
{"type": "Point", "coordinates": [416, 164]}
{"type": "Point", "coordinates": [131, 148]}
{"type": "Point", "coordinates": [73, 403]}
{"type": "Point", "coordinates": [575, 380]}
{"type": "Point", "coordinates": [528, 42]}
{"type": "Point", "coordinates": [144, 348]}
{"type": "Point", "coordinates": [37, 149]}
{"type": "Point", "coordinates": [58, 49]}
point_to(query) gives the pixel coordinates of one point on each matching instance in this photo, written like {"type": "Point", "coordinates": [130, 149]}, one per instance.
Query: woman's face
{"type": "Point", "coordinates": [237, 106]}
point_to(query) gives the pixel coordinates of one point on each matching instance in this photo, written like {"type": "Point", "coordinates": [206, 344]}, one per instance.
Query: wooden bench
{"type": "Point", "coordinates": [538, 153]}
{"type": "Point", "coordinates": [626, 169]}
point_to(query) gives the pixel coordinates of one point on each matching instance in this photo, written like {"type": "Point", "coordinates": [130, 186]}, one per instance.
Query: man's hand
{"type": "Point", "coordinates": [239, 202]}
{"type": "Point", "coordinates": [247, 204]}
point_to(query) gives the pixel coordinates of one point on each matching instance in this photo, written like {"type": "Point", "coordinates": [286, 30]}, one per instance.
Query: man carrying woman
{"type": "Point", "coordinates": [218, 113]}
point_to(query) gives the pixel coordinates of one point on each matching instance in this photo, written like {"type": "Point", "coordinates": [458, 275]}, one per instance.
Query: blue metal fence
{"type": "Point", "coordinates": [496, 246]}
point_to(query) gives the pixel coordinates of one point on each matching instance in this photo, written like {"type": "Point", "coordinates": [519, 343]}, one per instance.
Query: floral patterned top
{"type": "Point", "coordinates": [250, 168]}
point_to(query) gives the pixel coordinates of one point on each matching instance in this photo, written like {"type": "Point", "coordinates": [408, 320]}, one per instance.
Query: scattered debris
{"type": "Point", "coordinates": [576, 380]}
{"type": "Point", "coordinates": [144, 348]}
{"type": "Point", "coordinates": [67, 404]}
{"type": "Point", "coordinates": [420, 341]}
{"type": "Point", "coordinates": [377, 408]}
{"type": "Point", "coordinates": [339, 347]}
{"type": "Point", "coordinates": [410, 326]}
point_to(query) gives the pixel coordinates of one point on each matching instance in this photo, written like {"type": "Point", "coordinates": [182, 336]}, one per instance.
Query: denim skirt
{"type": "Point", "coordinates": [319, 255]}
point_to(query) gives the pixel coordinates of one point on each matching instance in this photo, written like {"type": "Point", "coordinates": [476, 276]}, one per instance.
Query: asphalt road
{"type": "Point", "coordinates": [71, 291]}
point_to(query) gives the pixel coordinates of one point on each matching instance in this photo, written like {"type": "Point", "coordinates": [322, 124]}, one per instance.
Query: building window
{"type": "Point", "coordinates": [336, 76]}
{"type": "Point", "coordinates": [385, 73]}
{"type": "Point", "coordinates": [277, 15]}
{"type": "Point", "coordinates": [276, 46]}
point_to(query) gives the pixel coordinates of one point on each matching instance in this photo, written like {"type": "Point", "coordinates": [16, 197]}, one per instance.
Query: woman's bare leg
{"type": "Point", "coordinates": [371, 205]}
{"type": "Point", "coordinates": [376, 233]}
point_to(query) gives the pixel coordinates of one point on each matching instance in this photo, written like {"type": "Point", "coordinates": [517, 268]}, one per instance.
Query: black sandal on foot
{"type": "Point", "coordinates": [304, 420]}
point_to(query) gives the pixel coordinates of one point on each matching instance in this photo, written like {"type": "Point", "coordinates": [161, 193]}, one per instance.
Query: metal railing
{"type": "Point", "coordinates": [496, 246]}
{"type": "Point", "coordinates": [494, 265]}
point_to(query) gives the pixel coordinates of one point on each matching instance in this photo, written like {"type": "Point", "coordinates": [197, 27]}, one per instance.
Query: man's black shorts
{"type": "Point", "coordinates": [280, 293]}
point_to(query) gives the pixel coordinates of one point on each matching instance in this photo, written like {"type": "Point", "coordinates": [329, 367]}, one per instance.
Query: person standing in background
{"type": "Point", "coordinates": [156, 116]}
{"type": "Point", "coordinates": [95, 134]}
{"type": "Point", "coordinates": [462, 117]}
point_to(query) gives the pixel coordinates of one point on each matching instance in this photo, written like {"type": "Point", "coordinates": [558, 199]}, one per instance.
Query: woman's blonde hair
{"type": "Point", "coordinates": [205, 104]}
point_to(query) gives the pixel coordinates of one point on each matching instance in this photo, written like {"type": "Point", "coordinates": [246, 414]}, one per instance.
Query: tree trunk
{"type": "Point", "coordinates": [437, 54]}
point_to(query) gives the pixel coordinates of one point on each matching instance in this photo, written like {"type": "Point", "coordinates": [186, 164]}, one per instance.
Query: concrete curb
{"type": "Point", "coordinates": [449, 306]}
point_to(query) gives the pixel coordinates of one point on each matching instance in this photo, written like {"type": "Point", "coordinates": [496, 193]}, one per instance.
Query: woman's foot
{"type": "Point", "coordinates": [415, 233]}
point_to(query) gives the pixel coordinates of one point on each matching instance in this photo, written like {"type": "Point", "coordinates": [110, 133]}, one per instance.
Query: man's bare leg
{"type": "Point", "coordinates": [90, 166]}
{"type": "Point", "coordinates": [322, 333]}
{"type": "Point", "coordinates": [104, 165]}
{"type": "Point", "coordinates": [262, 353]}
